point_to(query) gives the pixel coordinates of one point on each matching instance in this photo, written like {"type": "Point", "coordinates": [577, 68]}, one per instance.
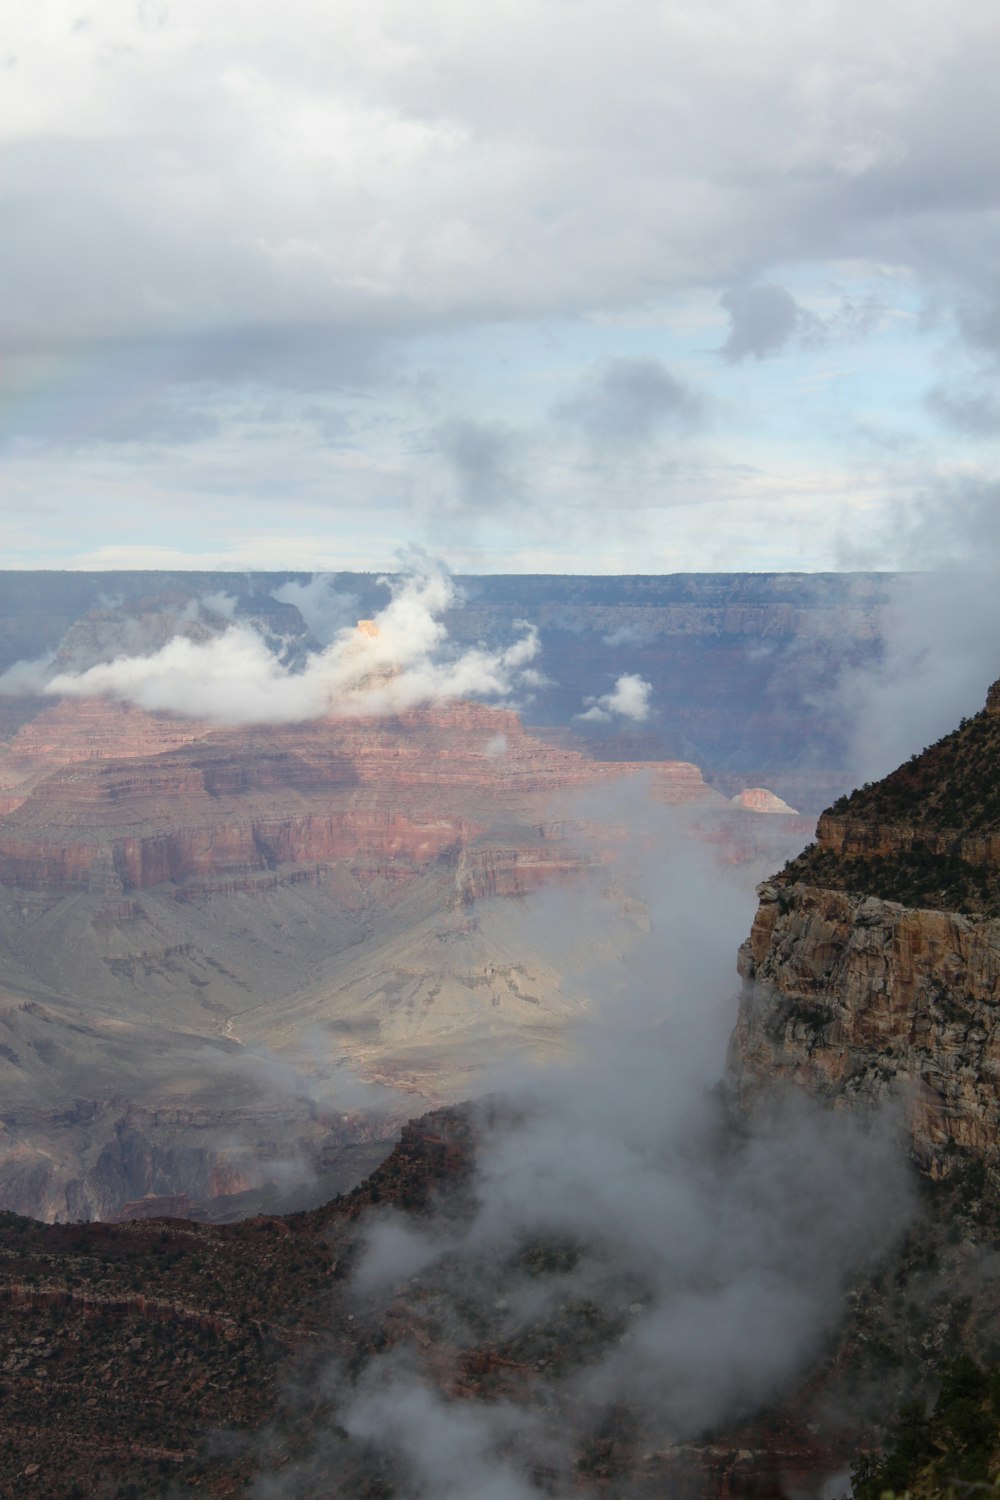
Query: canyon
{"type": "Point", "coordinates": [744, 668]}
{"type": "Point", "coordinates": [877, 1007]}
{"type": "Point", "coordinates": [234, 958]}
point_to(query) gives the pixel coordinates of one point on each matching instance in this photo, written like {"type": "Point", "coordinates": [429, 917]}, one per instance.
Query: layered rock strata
{"type": "Point", "coordinates": [227, 923]}
{"type": "Point", "coordinates": [861, 999]}
{"type": "Point", "coordinates": [242, 802]}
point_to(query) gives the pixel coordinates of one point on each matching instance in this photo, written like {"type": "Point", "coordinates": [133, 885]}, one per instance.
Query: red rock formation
{"type": "Point", "coordinates": [401, 791]}
{"type": "Point", "coordinates": [71, 731]}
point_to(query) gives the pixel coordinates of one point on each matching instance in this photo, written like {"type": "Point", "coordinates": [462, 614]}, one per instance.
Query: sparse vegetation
{"type": "Point", "coordinates": [953, 1447]}
{"type": "Point", "coordinates": [930, 821]}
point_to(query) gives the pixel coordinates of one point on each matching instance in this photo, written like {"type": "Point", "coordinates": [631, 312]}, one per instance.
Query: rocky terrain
{"type": "Point", "coordinates": [120, 1346]}
{"type": "Point", "coordinates": [210, 935]}
{"type": "Point", "coordinates": [743, 667]}
{"type": "Point", "coordinates": [124, 1342]}
{"type": "Point", "coordinates": [872, 979]}
{"type": "Point", "coordinates": [873, 967]}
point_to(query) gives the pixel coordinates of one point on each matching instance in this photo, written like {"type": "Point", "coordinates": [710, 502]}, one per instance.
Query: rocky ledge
{"type": "Point", "coordinates": [858, 999]}
{"type": "Point", "coordinates": [873, 967]}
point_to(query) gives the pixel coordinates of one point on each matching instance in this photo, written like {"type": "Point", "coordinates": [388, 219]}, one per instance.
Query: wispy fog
{"type": "Point", "coordinates": [939, 629]}
{"type": "Point", "coordinates": [626, 1243]}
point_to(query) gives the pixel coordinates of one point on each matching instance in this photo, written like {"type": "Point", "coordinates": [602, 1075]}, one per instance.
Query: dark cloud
{"type": "Point", "coordinates": [762, 319]}
{"type": "Point", "coordinates": [173, 389]}
{"type": "Point", "coordinates": [632, 401]}
{"type": "Point", "coordinates": [979, 321]}
{"type": "Point", "coordinates": [972, 411]}
{"type": "Point", "coordinates": [484, 460]}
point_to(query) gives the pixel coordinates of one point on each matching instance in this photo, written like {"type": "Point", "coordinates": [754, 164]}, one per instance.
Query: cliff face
{"type": "Point", "coordinates": [241, 802]}
{"type": "Point", "coordinates": [859, 998]}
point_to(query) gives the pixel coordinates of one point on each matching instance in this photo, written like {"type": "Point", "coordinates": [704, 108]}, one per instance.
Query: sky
{"type": "Point", "coordinates": [542, 287]}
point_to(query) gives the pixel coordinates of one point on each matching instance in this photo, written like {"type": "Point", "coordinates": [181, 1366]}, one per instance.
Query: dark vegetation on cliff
{"type": "Point", "coordinates": [926, 835]}
{"type": "Point", "coordinates": [861, 1003]}
{"type": "Point", "coordinates": [122, 1345]}
{"type": "Point", "coordinates": [949, 1447]}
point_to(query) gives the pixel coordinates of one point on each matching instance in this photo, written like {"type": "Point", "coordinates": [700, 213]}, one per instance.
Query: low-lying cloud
{"type": "Point", "coordinates": [628, 699]}
{"type": "Point", "coordinates": [399, 660]}
{"type": "Point", "coordinates": [938, 631]}
{"type": "Point", "coordinates": [624, 1249]}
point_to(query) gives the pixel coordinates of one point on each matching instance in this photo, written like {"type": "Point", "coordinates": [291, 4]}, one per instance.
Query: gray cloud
{"type": "Point", "coordinates": [204, 187]}
{"type": "Point", "coordinates": [762, 320]}
{"type": "Point", "coordinates": [973, 411]}
{"type": "Point", "coordinates": [629, 402]}
{"type": "Point", "coordinates": [485, 460]}
{"type": "Point", "coordinates": [205, 212]}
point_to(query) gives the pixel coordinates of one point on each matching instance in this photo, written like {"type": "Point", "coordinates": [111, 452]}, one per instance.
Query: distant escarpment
{"type": "Point", "coordinates": [873, 967]}
{"type": "Point", "coordinates": [389, 793]}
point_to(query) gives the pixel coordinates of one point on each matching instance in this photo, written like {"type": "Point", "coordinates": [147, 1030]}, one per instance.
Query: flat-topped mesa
{"type": "Point", "coordinates": [873, 965]}
{"type": "Point", "coordinates": [411, 787]}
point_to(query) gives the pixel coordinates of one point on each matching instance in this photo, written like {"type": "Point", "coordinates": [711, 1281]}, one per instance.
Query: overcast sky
{"type": "Point", "coordinates": [545, 285]}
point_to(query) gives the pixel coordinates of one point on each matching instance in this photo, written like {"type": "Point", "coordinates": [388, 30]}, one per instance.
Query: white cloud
{"type": "Point", "coordinates": [362, 159]}
{"type": "Point", "coordinates": [235, 677]}
{"type": "Point", "coordinates": [629, 699]}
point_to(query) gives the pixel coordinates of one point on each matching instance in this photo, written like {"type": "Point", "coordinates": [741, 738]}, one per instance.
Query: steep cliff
{"type": "Point", "coordinates": [873, 967]}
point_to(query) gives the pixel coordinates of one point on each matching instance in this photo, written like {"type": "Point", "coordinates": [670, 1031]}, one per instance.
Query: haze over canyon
{"type": "Point", "coordinates": [241, 950]}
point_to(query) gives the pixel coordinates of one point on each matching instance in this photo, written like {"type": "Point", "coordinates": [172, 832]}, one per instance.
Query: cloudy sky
{"type": "Point", "coordinates": [542, 286]}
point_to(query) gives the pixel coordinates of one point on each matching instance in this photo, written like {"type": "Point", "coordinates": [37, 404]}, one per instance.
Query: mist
{"type": "Point", "coordinates": [626, 1244]}
{"type": "Point", "coordinates": [940, 653]}
{"type": "Point", "coordinates": [939, 629]}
